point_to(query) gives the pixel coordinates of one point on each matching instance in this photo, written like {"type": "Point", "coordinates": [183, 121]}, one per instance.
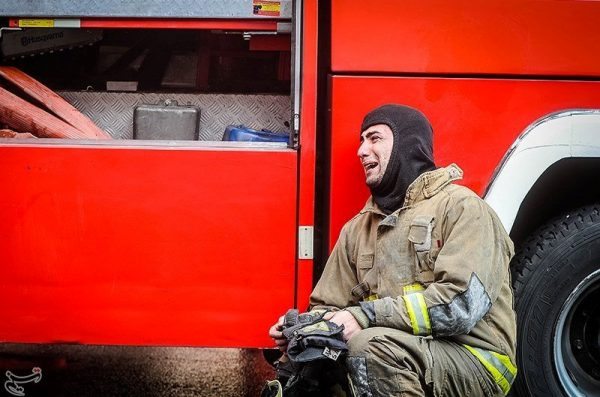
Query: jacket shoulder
{"type": "Point", "coordinates": [458, 192]}
{"type": "Point", "coordinates": [453, 194]}
{"type": "Point", "coordinates": [458, 198]}
{"type": "Point", "coordinates": [357, 220]}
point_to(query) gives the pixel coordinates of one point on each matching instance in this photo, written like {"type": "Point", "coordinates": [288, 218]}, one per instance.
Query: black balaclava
{"type": "Point", "coordinates": [412, 152]}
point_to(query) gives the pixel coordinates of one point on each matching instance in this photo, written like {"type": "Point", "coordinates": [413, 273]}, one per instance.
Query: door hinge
{"type": "Point", "coordinates": [305, 242]}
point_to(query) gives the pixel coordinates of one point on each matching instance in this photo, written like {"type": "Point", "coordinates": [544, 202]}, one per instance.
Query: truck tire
{"type": "Point", "coordinates": [556, 277]}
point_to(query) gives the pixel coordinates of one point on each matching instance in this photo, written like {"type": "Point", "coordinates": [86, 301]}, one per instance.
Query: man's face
{"type": "Point", "coordinates": [374, 152]}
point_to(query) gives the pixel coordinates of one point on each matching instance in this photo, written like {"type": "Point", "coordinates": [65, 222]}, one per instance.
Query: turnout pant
{"type": "Point", "coordinates": [386, 362]}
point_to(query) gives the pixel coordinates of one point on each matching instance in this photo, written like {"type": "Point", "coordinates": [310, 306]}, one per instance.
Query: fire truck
{"type": "Point", "coordinates": [171, 240]}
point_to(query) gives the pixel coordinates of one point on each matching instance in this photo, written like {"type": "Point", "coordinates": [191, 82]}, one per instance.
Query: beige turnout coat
{"type": "Point", "coordinates": [438, 266]}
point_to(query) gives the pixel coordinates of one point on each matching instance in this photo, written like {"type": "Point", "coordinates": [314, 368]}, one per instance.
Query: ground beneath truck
{"type": "Point", "coordinates": [80, 371]}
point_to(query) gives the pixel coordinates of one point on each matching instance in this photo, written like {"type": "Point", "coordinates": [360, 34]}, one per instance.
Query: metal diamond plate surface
{"type": "Point", "coordinates": [113, 111]}
{"type": "Point", "coordinates": [138, 8]}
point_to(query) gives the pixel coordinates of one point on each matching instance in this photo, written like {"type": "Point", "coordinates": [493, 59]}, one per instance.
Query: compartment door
{"type": "Point", "coordinates": [145, 246]}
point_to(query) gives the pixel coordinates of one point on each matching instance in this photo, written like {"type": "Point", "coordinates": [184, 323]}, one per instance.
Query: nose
{"type": "Point", "coordinates": [363, 149]}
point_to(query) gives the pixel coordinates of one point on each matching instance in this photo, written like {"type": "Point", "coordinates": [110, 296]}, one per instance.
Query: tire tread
{"type": "Point", "coordinates": [534, 249]}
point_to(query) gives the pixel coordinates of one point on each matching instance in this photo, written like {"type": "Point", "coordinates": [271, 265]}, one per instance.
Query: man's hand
{"type": "Point", "coordinates": [345, 318]}
{"type": "Point", "coordinates": [277, 335]}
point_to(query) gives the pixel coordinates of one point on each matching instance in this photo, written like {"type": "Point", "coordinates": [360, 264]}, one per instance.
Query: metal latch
{"type": "Point", "coordinates": [284, 27]}
{"type": "Point", "coordinates": [305, 242]}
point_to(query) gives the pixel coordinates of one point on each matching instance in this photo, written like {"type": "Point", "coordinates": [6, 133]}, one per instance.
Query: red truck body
{"type": "Point", "coordinates": [185, 245]}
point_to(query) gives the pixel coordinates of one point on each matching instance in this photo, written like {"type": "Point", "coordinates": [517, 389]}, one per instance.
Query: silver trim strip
{"type": "Point", "coordinates": [527, 131]}
{"type": "Point", "coordinates": [142, 144]}
{"type": "Point", "coordinates": [564, 134]}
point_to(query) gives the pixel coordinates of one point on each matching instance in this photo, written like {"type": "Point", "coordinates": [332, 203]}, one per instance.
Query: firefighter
{"type": "Point", "coordinates": [419, 278]}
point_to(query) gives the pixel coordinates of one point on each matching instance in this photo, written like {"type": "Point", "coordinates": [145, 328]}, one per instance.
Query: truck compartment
{"type": "Point", "coordinates": [232, 77]}
{"type": "Point", "coordinates": [113, 111]}
{"type": "Point", "coordinates": [154, 243]}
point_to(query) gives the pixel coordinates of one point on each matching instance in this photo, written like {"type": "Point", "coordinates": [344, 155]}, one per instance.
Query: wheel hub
{"type": "Point", "coordinates": [577, 339]}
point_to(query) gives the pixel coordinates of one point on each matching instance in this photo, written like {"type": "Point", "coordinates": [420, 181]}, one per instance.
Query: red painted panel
{"type": "Point", "coordinates": [474, 122]}
{"type": "Point", "coordinates": [176, 246]}
{"type": "Point", "coordinates": [308, 121]}
{"type": "Point", "coordinates": [485, 37]}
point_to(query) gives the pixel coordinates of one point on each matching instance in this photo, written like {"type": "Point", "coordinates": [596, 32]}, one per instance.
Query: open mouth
{"type": "Point", "coordinates": [370, 166]}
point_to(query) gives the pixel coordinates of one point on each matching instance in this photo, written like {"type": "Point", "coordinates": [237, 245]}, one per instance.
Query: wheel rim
{"type": "Point", "coordinates": [577, 339]}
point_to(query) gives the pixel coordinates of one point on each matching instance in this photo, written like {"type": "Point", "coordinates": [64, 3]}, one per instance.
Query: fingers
{"type": "Point", "coordinates": [275, 332]}
{"type": "Point", "coordinates": [277, 336]}
{"type": "Point", "coordinates": [327, 316]}
{"type": "Point", "coordinates": [345, 318]}
{"type": "Point", "coordinates": [335, 317]}
{"type": "Point", "coordinates": [280, 341]}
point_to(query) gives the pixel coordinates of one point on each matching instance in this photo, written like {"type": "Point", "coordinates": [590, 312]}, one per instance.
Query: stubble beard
{"type": "Point", "coordinates": [373, 182]}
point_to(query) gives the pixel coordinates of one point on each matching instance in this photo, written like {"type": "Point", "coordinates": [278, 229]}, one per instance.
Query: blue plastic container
{"type": "Point", "coordinates": [242, 133]}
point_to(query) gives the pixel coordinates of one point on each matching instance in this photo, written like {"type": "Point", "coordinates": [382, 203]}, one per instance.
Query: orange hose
{"type": "Point", "coordinates": [54, 102]}
{"type": "Point", "coordinates": [21, 115]}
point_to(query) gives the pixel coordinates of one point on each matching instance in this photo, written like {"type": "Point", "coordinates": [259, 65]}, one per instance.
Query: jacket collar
{"type": "Point", "coordinates": [431, 183]}
{"type": "Point", "coordinates": [427, 185]}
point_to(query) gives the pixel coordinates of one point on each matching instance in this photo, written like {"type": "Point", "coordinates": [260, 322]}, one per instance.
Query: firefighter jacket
{"type": "Point", "coordinates": [438, 266]}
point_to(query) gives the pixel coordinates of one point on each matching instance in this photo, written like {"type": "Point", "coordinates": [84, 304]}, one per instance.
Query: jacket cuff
{"type": "Point", "coordinates": [368, 307]}
{"type": "Point", "coordinates": [359, 315]}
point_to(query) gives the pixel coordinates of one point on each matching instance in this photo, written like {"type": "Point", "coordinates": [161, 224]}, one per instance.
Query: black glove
{"type": "Point", "coordinates": [311, 338]}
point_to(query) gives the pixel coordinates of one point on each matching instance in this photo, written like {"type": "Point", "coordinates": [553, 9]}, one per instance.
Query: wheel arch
{"type": "Point", "coordinates": [564, 186]}
{"type": "Point", "coordinates": [551, 168]}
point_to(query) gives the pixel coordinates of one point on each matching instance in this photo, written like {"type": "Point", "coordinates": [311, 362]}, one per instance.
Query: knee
{"type": "Point", "coordinates": [389, 347]}
{"type": "Point", "coordinates": [380, 364]}
{"type": "Point", "coordinates": [372, 345]}
{"type": "Point", "coordinates": [363, 343]}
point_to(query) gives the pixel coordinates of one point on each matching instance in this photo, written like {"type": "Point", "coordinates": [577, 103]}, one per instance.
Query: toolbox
{"type": "Point", "coordinates": [166, 121]}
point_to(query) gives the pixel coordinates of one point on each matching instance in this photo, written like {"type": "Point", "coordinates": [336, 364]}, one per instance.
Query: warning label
{"type": "Point", "coordinates": [36, 23]}
{"type": "Point", "coordinates": [266, 8]}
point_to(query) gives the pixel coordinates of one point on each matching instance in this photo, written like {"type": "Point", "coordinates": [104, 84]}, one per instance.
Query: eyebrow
{"type": "Point", "coordinates": [369, 134]}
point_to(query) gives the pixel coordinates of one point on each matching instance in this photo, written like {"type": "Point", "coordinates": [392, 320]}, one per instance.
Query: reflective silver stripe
{"type": "Point", "coordinates": [503, 375]}
{"type": "Point", "coordinates": [499, 365]}
{"type": "Point", "coordinates": [415, 311]}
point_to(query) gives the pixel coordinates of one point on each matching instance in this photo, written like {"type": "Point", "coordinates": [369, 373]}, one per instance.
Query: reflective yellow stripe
{"type": "Point", "coordinates": [498, 365]}
{"type": "Point", "coordinates": [512, 370]}
{"type": "Point", "coordinates": [371, 297]}
{"type": "Point", "coordinates": [418, 314]}
{"type": "Point", "coordinates": [412, 288]}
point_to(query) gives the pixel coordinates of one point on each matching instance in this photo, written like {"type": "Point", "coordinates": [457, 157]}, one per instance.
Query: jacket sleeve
{"type": "Point", "coordinates": [339, 277]}
{"type": "Point", "coordinates": [468, 274]}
